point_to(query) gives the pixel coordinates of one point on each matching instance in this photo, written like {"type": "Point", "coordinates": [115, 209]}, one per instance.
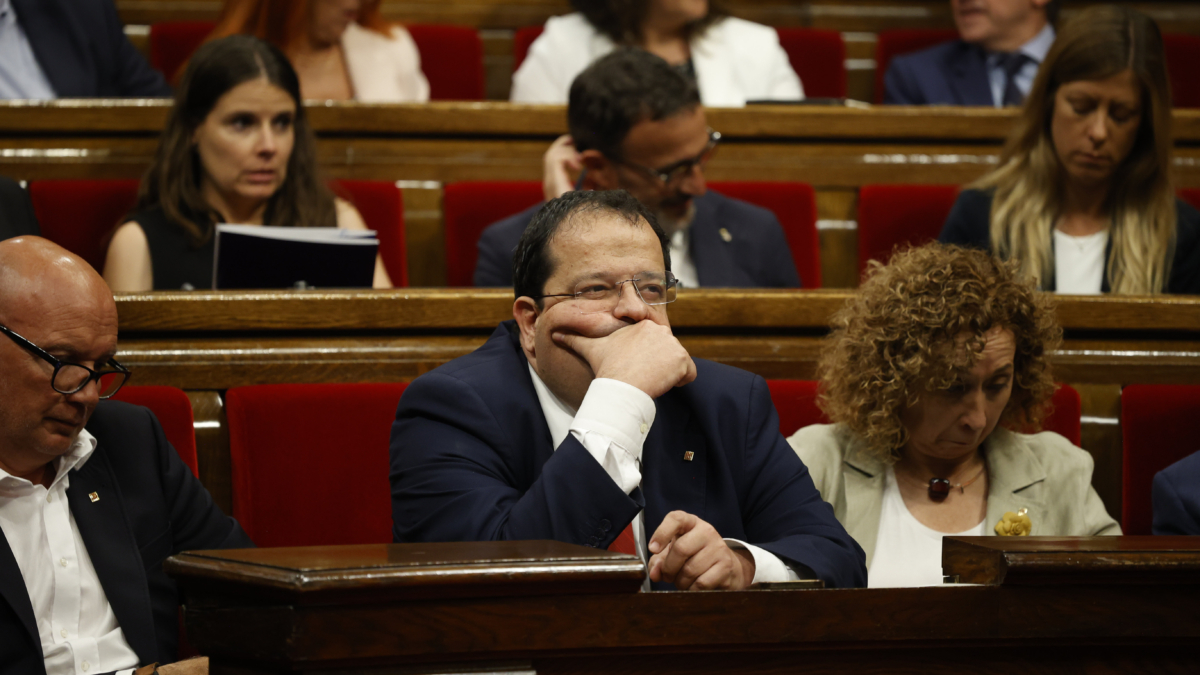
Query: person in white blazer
{"type": "Point", "coordinates": [383, 69]}
{"type": "Point", "coordinates": [734, 60]}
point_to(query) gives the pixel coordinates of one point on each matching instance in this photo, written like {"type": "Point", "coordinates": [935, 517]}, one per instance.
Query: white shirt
{"type": "Point", "coordinates": [1079, 262]}
{"type": "Point", "coordinates": [1036, 49]}
{"type": "Point", "coordinates": [78, 629]}
{"type": "Point", "coordinates": [21, 76]}
{"type": "Point", "coordinates": [907, 553]}
{"type": "Point", "coordinates": [682, 265]}
{"type": "Point", "coordinates": [612, 424]}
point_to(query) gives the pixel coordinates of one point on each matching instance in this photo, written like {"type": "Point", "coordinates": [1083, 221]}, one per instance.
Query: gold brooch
{"type": "Point", "coordinates": [1014, 524]}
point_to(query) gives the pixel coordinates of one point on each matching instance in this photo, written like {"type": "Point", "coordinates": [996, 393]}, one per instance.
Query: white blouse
{"type": "Point", "coordinates": [1079, 262]}
{"type": "Point", "coordinates": [907, 553]}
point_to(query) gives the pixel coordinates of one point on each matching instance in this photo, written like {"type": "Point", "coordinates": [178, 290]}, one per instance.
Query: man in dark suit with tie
{"type": "Point", "coordinates": [584, 420]}
{"type": "Point", "coordinates": [637, 124]}
{"type": "Point", "coordinates": [1176, 495]}
{"type": "Point", "coordinates": [1001, 45]}
{"type": "Point", "coordinates": [92, 497]}
{"type": "Point", "coordinates": [70, 49]}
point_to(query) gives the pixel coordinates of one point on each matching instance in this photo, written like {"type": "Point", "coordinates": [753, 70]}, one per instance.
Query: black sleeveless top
{"type": "Point", "coordinates": [176, 263]}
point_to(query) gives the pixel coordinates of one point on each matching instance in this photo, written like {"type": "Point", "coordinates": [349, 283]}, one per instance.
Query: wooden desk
{"type": "Point", "coordinates": [418, 607]}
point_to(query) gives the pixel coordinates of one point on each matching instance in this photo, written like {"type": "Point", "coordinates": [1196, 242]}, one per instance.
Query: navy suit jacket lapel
{"type": "Point", "coordinates": [51, 36]}
{"type": "Point", "coordinates": [12, 589]}
{"type": "Point", "coordinates": [969, 77]}
{"type": "Point", "coordinates": [114, 552]}
{"type": "Point", "coordinates": [712, 255]}
{"type": "Point", "coordinates": [667, 477]}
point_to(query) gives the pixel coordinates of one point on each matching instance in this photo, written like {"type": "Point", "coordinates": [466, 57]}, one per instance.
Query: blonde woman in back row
{"type": "Point", "coordinates": [1082, 198]}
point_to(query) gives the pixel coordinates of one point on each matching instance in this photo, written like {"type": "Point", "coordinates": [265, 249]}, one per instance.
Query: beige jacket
{"type": "Point", "coordinates": [384, 69]}
{"type": "Point", "coordinates": [1043, 473]}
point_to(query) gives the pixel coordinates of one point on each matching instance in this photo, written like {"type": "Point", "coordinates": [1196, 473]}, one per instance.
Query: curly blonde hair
{"type": "Point", "coordinates": [900, 334]}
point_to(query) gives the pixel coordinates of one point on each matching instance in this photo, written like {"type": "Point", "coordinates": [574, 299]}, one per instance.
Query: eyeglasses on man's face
{"type": "Point", "coordinates": [69, 378]}
{"type": "Point", "coordinates": [673, 175]}
{"type": "Point", "coordinates": [596, 296]}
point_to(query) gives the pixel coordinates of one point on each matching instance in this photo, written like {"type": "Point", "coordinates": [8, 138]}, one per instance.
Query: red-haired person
{"type": "Point", "coordinates": [341, 49]}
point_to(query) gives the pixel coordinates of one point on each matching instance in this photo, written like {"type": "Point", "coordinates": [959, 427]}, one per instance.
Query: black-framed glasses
{"type": "Point", "coordinates": [598, 296]}
{"type": "Point", "coordinates": [673, 174]}
{"type": "Point", "coordinates": [69, 378]}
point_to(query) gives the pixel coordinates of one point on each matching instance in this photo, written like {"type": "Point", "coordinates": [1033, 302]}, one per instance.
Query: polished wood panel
{"type": "Point", "coordinates": [1041, 561]}
{"type": "Point", "coordinates": [261, 613]}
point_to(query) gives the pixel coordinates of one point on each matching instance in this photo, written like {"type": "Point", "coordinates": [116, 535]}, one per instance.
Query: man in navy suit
{"type": "Point", "coordinates": [584, 420]}
{"type": "Point", "coordinates": [994, 63]}
{"type": "Point", "coordinates": [92, 497]}
{"type": "Point", "coordinates": [637, 124]}
{"type": "Point", "coordinates": [1176, 495]}
{"type": "Point", "coordinates": [70, 49]}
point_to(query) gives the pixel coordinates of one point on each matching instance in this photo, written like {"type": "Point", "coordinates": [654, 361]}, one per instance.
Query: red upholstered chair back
{"type": "Point", "coordinates": [452, 60]}
{"type": "Point", "coordinates": [1065, 418]}
{"type": "Point", "coordinates": [895, 215]}
{"type": "Point", "coordinates": [522, 40]}
{"type": "Point", "coordinates": [796, 403]}
{"type": "Point", "coordinates": [174, 412]}
{"type": "Point", "coordinates": [795, 205]}
{"type": "Point", "coordinates": [468, 208]}
{"type": "Point", "coordinates": [1191, 196]}
{"type": "Point", "coordinates": [80, 215]}
{"type": "Point", "coordinates": [1158, 428]}
{"type": "Point", "coordinates": [172, 43]}
{"type": "Point", "coordinates": [1182, 54]}
{"type": "Point", "coordinates": [310, 462]}
{"type": "Point", "coordinates": [893, 43]}
{"type": "Point", "coordinates": [381, 205]}
{"type": "Point", "coordinates": [819, 58]}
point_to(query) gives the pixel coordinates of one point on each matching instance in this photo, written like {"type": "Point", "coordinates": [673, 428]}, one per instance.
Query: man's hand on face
{"type": "Point", "coordinates": [557, 166]}
{"type": "Point", "coordinates": [195, 666]}
{"type": "Point", "coordinates": [645, 354]}
{"type": "Point", "coordinates": [689, 553]}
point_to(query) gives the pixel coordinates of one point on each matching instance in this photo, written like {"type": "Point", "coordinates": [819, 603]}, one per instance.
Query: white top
{"type": "Point", "coordinates": [735, 61]}
{"type": "Point", "coordinates": [907, 553]}
{"type": "Point", "coordinates": [383, 69]}
{"type": "Point", "coordinates": [1079, 262]}
{"type": "Point", "coordinates": [682, 265]}
{"type": "Point", "coordinates": [78, 629]}
{"type": "Point", "coordinates": [612, 424]}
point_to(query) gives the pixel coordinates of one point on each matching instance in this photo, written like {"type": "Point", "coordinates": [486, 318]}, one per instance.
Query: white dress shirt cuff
{"type": "Point", "coordinates": [767, 567]}
{"type": "Point", "coordinates": [612, 424]}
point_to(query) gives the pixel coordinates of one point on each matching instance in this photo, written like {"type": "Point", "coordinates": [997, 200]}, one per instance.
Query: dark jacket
{"type": "Point", "coordinates": [953, 73]}
{"type": "Point", "coordinates": [1176, 496]}
{"type": "Point", "coordinates": [755, 255]}
{"type": "Point", "coordinates": [16, 210]}
{"type": "Point", "coordinates": [150, 507]}
{"type": "Point", "coordinates": [472, 460]}
{"type": "Point", "coordinates": [82, 48]}
{"type": "Point", "coordinates": [969, 222]}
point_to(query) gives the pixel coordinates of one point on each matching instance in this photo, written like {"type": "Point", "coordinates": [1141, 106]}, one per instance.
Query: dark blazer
{"type": "Point", "coordinates": [756, 255]}
{"type": "Point", "coordinates": [16, 211]}
{"type": "Point", "coordinates": [82, 48]}
{"type": "Point", "coordinates": [1176, 495]}
{"type": "Point", "coordinates": [953, 73]}
{"type": "Point", "coordinates": [150, 507]}
{"type": "Point", "coordinates": [969, 222]}
{"type": "Point", "coordinates": [472, 460]}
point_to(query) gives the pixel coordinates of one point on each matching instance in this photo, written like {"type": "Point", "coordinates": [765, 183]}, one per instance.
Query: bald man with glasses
{"type": "Point", "coordinates": [637, 124]}
{"type": "Point", "coordinates": [584, 420]}
{"type": "Point", "coordinates": [92, 497]}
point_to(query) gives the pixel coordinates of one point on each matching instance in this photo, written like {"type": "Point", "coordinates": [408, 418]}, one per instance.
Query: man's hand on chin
{"type": "Point", "coordinates": [689, 553]}
{"type": "Point", "coordinates": [645, 354]}
{"type": "Point", "coordinates": [196, 666]}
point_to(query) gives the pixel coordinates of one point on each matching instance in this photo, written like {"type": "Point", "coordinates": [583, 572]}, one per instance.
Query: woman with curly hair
{"type": "Point", "coordinates": [1082, 198]}
{"type": "Point", "coordinates": [732, 61]}
{"type": "Point", "coordinates": [929, 371]}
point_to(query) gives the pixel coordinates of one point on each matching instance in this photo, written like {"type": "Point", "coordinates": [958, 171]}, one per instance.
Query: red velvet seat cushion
{"type": "Point", "coordinates": [174, 412]}
{"type": "Point", "coordinates": [468, 208]}
{"type": "Point", "coordinates": [310, 462]}
{"type": "Point", "coordinates": [1182, 54]}
{"type": "Point", "coordinates": [892, 43]}
{"type": "Point", "coordinates": [80, 215]}
{"type": "Point", "coordinates": [522, 40]}
{"type": "Point", "coordinates": [1191, 196]}
{"type": "Point", "coordinates": [452, 60]}
{"type": "Point", "coordinates": [1158, 428]}
{"type": "Point", "coordinates": [819, 58]}
{"type": "Point", "coordinates": [172, 43]}
{"type": "Point", "coordinates": [897, 215]}
{"type": "Point", "coordinates": [381, 205]}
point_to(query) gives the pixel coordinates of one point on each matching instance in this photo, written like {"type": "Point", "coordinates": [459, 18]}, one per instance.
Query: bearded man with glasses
{"type": "Point", "coordinates": [637, 124]}
{"type": "Point", "coordinates": [92, 497]}
{"type": "Point", "coordinates": [584, 420]}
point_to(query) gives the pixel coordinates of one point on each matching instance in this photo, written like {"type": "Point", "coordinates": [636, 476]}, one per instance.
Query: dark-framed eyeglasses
{"type": "Point", "coordinates": [69, 378]}
{"type": "Point", "coordinates": [673, 174]}
{"type": "Point", "coordinates": [599, 296]}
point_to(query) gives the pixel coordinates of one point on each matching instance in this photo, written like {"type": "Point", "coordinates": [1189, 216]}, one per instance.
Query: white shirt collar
{"type": "Point", "coordinates": [559, 415]}
{"type": "Point", "coordinates": [80, 452]}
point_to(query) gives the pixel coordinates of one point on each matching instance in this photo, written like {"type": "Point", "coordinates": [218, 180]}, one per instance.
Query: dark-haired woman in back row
{"type": "Point", "coordinates": [1083, 198]}
{"type": "Point", "coordinates": [237, 148]}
